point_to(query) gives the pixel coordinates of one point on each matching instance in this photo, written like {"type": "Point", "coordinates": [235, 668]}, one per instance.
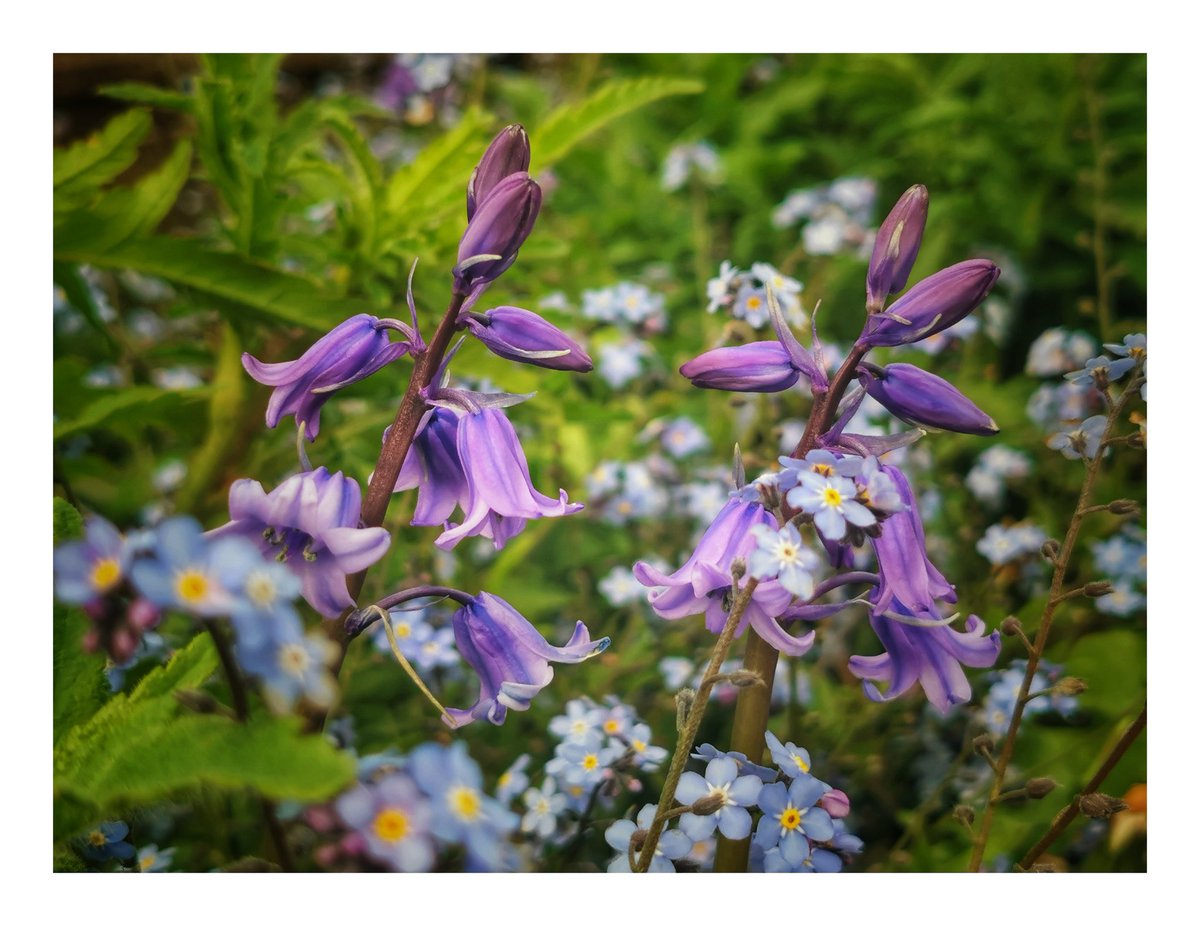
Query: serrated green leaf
{"type": "Point", "coordinates": [442, 166]}
{"type": "Point", "coordinates": [570, 124]}
{"type": "Point", "coordinates": [68, 523]}
{"type": "Point", "coordinates": [126, 212]}
{"type": "Point", "coordinates": [93, 162]}
{"type": "Point", "coordinates": [135, 399]}
{"type": "Point", "coordinates": [268, 293]}
{"type": "Point", "coordinates": [147, 94]}
{"type": "Point", "coordinates": [187, 668]}
{"type": "Point", "coordinates": [79, 683]}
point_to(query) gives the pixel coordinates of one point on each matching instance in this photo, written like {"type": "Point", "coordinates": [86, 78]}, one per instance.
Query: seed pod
{"type": "Point", "coordinates": [1037, 788]}
{"type": "Point", "coordinates": [1101, 806]}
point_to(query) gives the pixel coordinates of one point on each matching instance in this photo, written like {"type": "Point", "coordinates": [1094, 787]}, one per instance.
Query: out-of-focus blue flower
{"type": "Point", "coordinates": [673, 844]}
{"type": "Point", "coordinates": [682, 437]}
{"type": "Point", "coordinates": [431, 647]}
{"type": "Point", "coordinates": [513, 780]}
{"type": "Point", "coordinates": [621, 361]}
{"type": "Point", "coordinates": [394, 819]}
{"type": "Point", "coordinates": [1052, 405]}
{"type": "Point", "coordinates": [782, 554]}
{"type": "Point", "coordinates": [107, 841]}
{"type": "Point", "coordinates": [731, 794]}
{"type": "Point", "coordinates": [1122, 601]}
{"type": "Point", "coordinates": [791, 818]}
{"type": "Point", "coordinates": [619, 587]}
{"type": "Point", "coordinates": [698, 159]}
{"type": "Point", "coordinates": [583, 762]}
{"type": "Point", "coordinates": [462, 813]}
{"type": "Point", "coordinates": [646, 756]}
{"type": "Point", "coordinates": [676, 671]}
{"type": "Point", "coordinates": [792, 760]}
{"type": "Point", "coordinates": [1120, 557]}
{"type": "Point", "coordinates": [1133, 346]}
{"type": "Point", "coordinates": [1099, 371]}
{"type": "Point", "coordinates": [1000, 544]}
{"type": "Point", "coordinates": [1001, 698]}
{"type": "Point", "coordinates": [1057, 350]}
{"type": "Point", "coordinates": [543, 806]}
{"type": "Point", "coordinates": [510, 656]}
{"type": "Point", "coordinates": [309, 522]}
{"type": "Point", "coordinates": [351, 352]}
{"type": "Point", "coordinates": [87, 570]}
{"type": "Point", "coordinates": [581, 718]}
{"type": "Point", "coordinates": [191, 572]}
{"type": "Point", "coordinates": [751, 305]}
{"type": "Point", "coordinates": [152, 858]}
{"type": "Point", "coordinates": [987, 479]}
{"type": "Point", "coordinates": [1080, 441]}
{"type": "Point", "coordinates": [291, 665]}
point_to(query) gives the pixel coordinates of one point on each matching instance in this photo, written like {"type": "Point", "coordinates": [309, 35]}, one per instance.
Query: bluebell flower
{"type": "Point", "coordinates": [152, 858]}
{"type": "Point", "coordinates": [394, 819]}
{"type": "Point", "coordinates": [791, 818]}
{"type": "Point", "coordinates": [86, 570]}
{"type": "Point", "coordinates": [462, 813]}
{"type": "Point", "coordinates": [1080, 441]}
{"type": "Point", "coordinates": [543, 807]}
{"type": "Point", "coordinates": [792, 760]}
{"type": "Point", "coordinates": [731, 793]}
{"type": "Point", "coordinates": [351, 352]}
{"type": "Point", "coordinates": [513, 780]}
{"type": "Point", "coordinates": [672, 844]}
{"type": "Point", "coordinates": [107, 841]}
{"type": "Point", "coordinates": [310, 523]}
{"type": "Point", "coordinates": [510, 656]}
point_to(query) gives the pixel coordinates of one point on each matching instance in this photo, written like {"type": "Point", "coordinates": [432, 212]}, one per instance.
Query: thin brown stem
{"type": "Point", "coordinates": [1053, 599]}
{"type": "Point", "coordinates": [1064, 817]}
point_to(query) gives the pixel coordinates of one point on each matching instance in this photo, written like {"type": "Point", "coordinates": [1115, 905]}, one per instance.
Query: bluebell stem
{"type": "Point", "coordinates": [508, 154]}
{"type": "Point", "coordinates": [932, 305]}
{"type": "Point", "coordinates": [921, 398]}
{"type": "Point", "coordinates": [896, 246]}
{"type": "Point", "coordinates": [763, 366]}
{"type": "Point", "coordinates": [496, 231]}
{"type": "Point", "coordinates": [352, 351]}
{"type": "Point", "coordinates": [524, 336]}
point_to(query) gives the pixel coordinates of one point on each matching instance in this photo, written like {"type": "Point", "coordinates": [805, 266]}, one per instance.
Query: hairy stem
{"type": "Point", "coordinates": [1064, 817]}
{"type": "Point", "coordinates": [687, 737]}
{"type": "Point", "coordinates": [1053, 599]}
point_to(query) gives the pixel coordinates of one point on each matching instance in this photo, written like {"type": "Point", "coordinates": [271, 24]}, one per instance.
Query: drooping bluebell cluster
{"type": "Point", "coordinates": [796, 820]}
{"type": "Point", "coordinates": [800, 530]}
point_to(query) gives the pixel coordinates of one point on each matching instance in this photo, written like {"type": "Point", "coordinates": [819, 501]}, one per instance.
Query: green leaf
{"type": "Point", "coordinates": [239, 281]}
{"type": "Point", "coordinates": [135, 399]}
{"type": "Point", "coordinates": [135, 92]}
{"type": "Point", "coordinates": [79, 683]}
{"type": "Point", "coordinates": [570, 124]}
{"type": "Point", "coordinates": [442, 166]}
{"type": "Point", "coordinates": [126, 212]}
{"type": "Point", "coordinates": [68, 523]}
{"type": "Point", "coordinates": [80, 295]}
{"type": "Point", "coordinates": [189, 667]}
{"type": "Point", "coordinates": [89, 164]}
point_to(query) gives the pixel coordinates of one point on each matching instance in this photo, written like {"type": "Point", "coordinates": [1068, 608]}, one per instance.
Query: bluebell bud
{"type": "Point", "coordinates": [926, 400]}
{"type": "Point", "coordinates": [896, 246]}
{"type": "Point", "coordinates": [524, 336]}
{"type": "Point", "coordinates": [763, 366]}
{"type": "Point", "coordinates": [932, 305]}
{"type": "Point", "coordinates": [496, 231]}
{"type": "Point", "coordinates": [508, 154]}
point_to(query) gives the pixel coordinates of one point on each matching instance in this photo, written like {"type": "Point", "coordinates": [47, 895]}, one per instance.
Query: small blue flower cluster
{"type": "Point", "coordinates": [1122, 559]}
{"type": "Point", "coordinates": [744, 294]}
{"type": "Point", "coordinates": [988, 479]}
{"type": "Point", "coordinates": [698, 159]}
{"type": "Point", "coordinates": [800, 827]}
{"type": "Point", "coordinates": [836, 217]}
{"type": "Point", "coordinates": [1001, 698]}
{"type": "Point", "coordinates": [423, 637]}
{"type": "Point", "coordinates": [109, 840]}
{"type": "Point", "coordinates": [1002, 545]}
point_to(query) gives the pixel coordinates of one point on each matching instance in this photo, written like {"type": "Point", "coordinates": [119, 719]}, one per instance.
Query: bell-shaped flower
{"type": "Point", "coordinates": [496, 231]}
{"type": "Point", "coordinates": [896, 245]}
{"type": "Point", "coordinates": [762, 366]}
{"type": "Point", "coordinates": [920, 398]}
{"type": "Point", "coordinates": [432, 467]}
{"type": "Point", "coordinates": [510, 656]}
{"type": "Point", "coordinates": [524, 336]}
{"type": "Point", "coordinates": [703, 583]}
{"type": "Point", "coordinates": [932, 654]}
{"type": "Point", "coordinates": [508, 154]}
{"type": "Point", "coordinates": [932, 305]}
{"type": "Point", "coordinates": [352, 351]}
{"type": "Point", "coordinates": [309, 522]}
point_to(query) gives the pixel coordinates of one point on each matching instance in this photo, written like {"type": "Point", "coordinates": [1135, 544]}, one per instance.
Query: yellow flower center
{"type": "Point", "coordinates": [590, 761]}
{"type": "Point", "coordinates": [464, 802]}
{"type": "Point", "coordinates": [191, 586]}
{"type": "Point", "coordinates": [800, 763]}
{"type": "Point", "coordinates": [97, 838]}
{"type": "Point", "coordinates": [579, 726]}
{"type": "Point", "coordinates": [147, 861]}
{"type": "Point", "coordinates": [505, 780]}
{"type": "Point", "coordinates": [787, 552]}
{"type": "Point", "coordinates": [575, 790]}
{"type": "Point", "coordinates": [260, 589]}
{"type": "Point", "coordinates": [823, 469]}
{"type": "Point", "coordinates": [832, 497]}
{"type": "Point", "coordinates": [403, 631]}
{"type": "Point", "coordinates": [105, 574]}
{"type": "Point", "coordinates": [638, 746]}
{"type": "Point", "coordinates": [612, 726]}
{"type": "Point", "coordinates": [391, 825]}
{"type": "Point", "coordinates": [790, 818]}
{"type": "Point", "coordinates": [753, 303]}
{"type": "Point", "coordinates": [294, 659]}
{"type": "Point", "coordinates": [624, 506]}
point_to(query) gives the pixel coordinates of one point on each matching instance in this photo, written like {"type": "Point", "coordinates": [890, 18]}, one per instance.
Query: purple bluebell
{"type": "Point", "coordinates": [932, 305]}
{"type": "Point", "coordinates": [762, 366]}
{"type": "Point", "coordinates": [495, 232]}
{"type": "Point", "coordinates": [730, 792]}
{"type": "Point", "coordinates": [107, 841]}
{"type": "Point", "coordinates": [309, 522]}
{"type": "Point", "coordinates": [931, 655]}
{"type": "Point", "coordinates": [462, 813]}
{"type": "Point", "coordinates": [352, 351]}
{"type": "Point", "coordinates": [192, 572]}
{"type": "Point", "coordinates": [87, 570]}
{"type": "Point", "coordinates": [508, 154]}
{"type": "Point", "coordinates": [393, 818]}
{"type": "Point", "coordinates": [433, 468]}
{"type": "Point", "coordinates": [524, 336]}
{"type": "Point", "coordinates": [510, 656]}
{"type": "Point", "coordinates": [791, 817]}
{"type": "Point", "coordinates": [1082, 440]}
{"type": "Point", "coordinates": [672, 844]}
{"type": "Point", "coordinates": [700, 585]}
{"type": "Point", "coordinates": [500, 496]}
{"type": "Point", "coordinates": [896, 245]}
{"type": "Point", "coordinates": [921, 398]}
